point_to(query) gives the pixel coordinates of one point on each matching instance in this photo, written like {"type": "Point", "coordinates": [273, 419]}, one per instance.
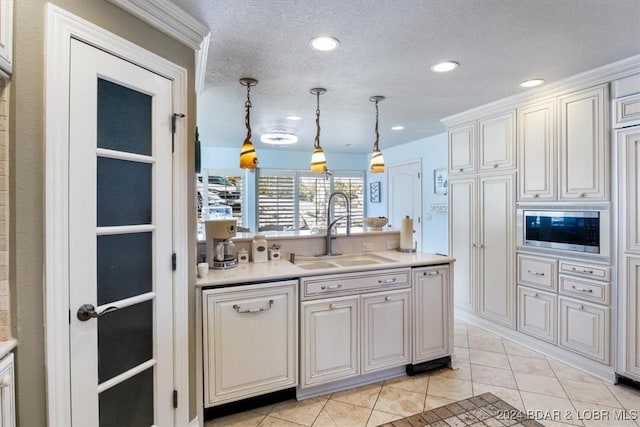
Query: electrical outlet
{"type": "Point", "coordinates": [368, 246]}
{"type": "Point", "coordinates": [392, 244]}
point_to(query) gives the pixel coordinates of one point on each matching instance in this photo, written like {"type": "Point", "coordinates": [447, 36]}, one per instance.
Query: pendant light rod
{"type": "Point", "coordinates": [376, 99]}
{"type": "Point", "coordinates": [317, 91]}
{"type": "Point", "coordinates": [248, 82]}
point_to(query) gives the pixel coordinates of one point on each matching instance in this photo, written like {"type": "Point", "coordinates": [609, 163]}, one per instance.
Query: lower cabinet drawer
{"type": "Point", "coordinates": [537, 313]}
{"type": "Point", "coordinates": [537, 272]}
{"type": "Point", "coordinates": [585, 270]}
{"type": "Point", "coordinates": [585, 289]}
{"type": "Point", "coordinates": [585, 329]}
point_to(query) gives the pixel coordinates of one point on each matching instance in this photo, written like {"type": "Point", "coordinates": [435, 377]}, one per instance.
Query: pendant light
{"type": "Point", "coordinates": [376, 164]}
{"type": "Point", "coordinates": [248, 157]}
{"type": "Point", "coordinates": [318, 160]}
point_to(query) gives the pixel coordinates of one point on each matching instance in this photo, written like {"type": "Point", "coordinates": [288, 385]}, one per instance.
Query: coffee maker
{"type": "Point", "coordinates": [221, 252]}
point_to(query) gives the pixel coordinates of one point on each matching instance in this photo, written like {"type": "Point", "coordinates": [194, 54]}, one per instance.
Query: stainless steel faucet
{"type": "Point", "coordinates": [332, 223]}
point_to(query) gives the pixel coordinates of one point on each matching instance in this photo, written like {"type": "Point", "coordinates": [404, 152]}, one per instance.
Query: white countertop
{"type": "Point", "coordinates": [281, 269]}
{"type": "Point", "coordinates": [7, 346]}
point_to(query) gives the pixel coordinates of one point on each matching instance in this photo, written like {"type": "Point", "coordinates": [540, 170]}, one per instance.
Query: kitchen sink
{"type": "Point", "coordinates": [335, 261]}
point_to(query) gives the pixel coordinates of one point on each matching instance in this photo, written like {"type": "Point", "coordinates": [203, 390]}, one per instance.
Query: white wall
{"type": "Point", "coordinates": [433, 151]}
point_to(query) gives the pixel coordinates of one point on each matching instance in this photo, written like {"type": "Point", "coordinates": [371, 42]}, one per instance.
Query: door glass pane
{"type": "Point", "coordinates": [124, 119]}
{"type": "Point", "coordinates": [129, 403]}
{"type": "Point", "coordinates": [125, 339]}
{"type": "Point", "coordinates": [124, 192]}
{"type": "Point", "coordinates": [124, 266]}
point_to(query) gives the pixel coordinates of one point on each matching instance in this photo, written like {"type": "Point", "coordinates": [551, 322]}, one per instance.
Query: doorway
{"type": "Point", "coordinates": [405, 197]}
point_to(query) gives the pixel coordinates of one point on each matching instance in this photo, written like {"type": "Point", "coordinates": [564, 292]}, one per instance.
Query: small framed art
{"type": "Point", "coordinates": [440, 181]}
{"type": "Point", "coordinates": [374, 192]}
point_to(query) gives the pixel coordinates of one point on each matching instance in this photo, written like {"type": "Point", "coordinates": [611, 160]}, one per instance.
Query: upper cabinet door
{"type": "Point", "coordinates": [536, 151]}
{"type": "Point", "coordinates": [461, 149]}
{"type": "Point", "coordinates": [496, 147]}
{"type": "Point", "coordinates": [6, 35]}
{"type": "Point", "coordinates": [584, 146]}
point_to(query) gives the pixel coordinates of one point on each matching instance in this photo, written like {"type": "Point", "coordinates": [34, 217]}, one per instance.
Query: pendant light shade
{"type": "Point", "coordinates": [248, 156]}
{"type": "Point", "coordinates": [318, 160]}
{"type": "Point", "coordinates": [376, 164]}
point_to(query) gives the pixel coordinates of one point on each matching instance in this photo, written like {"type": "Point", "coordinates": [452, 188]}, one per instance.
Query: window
{"type": "Point", "coordinates": [296, 200]}
{"type": "Point", "coordinates": [219, 195]}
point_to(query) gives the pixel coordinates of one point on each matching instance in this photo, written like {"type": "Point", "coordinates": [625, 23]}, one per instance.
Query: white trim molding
{"type": "Point", "coordinates": [167, 17]}
{"type": "Point", "coordinates": [62, 26]}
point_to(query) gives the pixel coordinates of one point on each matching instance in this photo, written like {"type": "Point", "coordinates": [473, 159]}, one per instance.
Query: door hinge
{"type": "Point", "coordinates": [174, 119]}
{"type": "Point", "coordinates": [418, 175]}
{"type": "Point", "coordinates": [69, 316]}
{"type": "Point", "coordinates": [175, 399]}
{"type": "Point", "coordinates": [174, 261]}
{"type": "Point", "coordinates": [418, 220]}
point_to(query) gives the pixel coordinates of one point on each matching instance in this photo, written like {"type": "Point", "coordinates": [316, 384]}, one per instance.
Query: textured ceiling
{"type": "Point", "coordinates": [387, 47]}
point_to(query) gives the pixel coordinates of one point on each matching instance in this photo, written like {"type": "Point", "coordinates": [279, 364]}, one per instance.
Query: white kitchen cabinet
{"type": "Point", "coordinates": [584, 328]}
{"type": "Point", "coordinates": [537, 313]}
{"type": "Point", "coordinates": [481, 238]}
{"type": "Point", "coordinates": [495, 249]}
{"type": "Point", "coordinates": [6, 36]}
{"type": "Point", "coordinates": [462, 240]}
{"type": "Point", "coordinates": [631, 326]}
{"type": "Point", "coordinates": [537, 272]}
{"type": "Point", "coordinates": [584, 145]}
{"type": "Point", "coordinates": [627, 111]}
{"type": "Point", "coordinates": [496, 142]}
{"type": "Point", "coordinates": [386, 330]}
{"type": "Point", "coordinates": [330, 340]}
{"type": "Point", "coordinates": [629, 145]}
{"type": "Point", "coordinates": [433, 317]}
{"type": "Point", "coordinates": [537, 151]}
{"type": "Point", "coordinates": [7, 392]}
{"type": "Point", "coordinates": [250, 340]}
{"type": "Point", "coordinates": [461, 149]}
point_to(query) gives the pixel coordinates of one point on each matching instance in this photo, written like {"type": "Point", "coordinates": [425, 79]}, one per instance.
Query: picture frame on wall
{"type": "Point", "coordinates": [440, 181]}
{"type": "Point", "coordinates": [374, 192]}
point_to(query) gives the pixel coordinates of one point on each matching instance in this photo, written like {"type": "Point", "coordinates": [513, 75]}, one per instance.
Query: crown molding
{"type": "Point", "coordinates": [606, 73]}
{"type": "Point", "coordinates": [177, 24]}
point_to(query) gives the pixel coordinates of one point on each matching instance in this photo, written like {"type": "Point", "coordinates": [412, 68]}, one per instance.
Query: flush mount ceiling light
{"type": "Point", "coordinates": [376, 164]}
{"type": "Point", "coordinates": [294, 118]}
{"type": "Point", "coordinates": [532, 83]}
{"type": "Point", "coordinates": [248, 157]}
{"type": "Point", "coordinates": [443, 67]}
{"type": "Point", "coordinates": [324, 43]}
{"type": "Point", "coordinates": [318, 160]}
{"type": "Point", "coordinates": [397, 128]}
{"type": "Point", "coordinates": [278, 138]}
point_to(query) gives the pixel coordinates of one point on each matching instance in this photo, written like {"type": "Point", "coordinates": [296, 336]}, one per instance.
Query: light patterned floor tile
{"type": "Point", "coordinates": [476, 331]}
{"type": "Point", "coordinates": [460, 340]}
{"type": "Point", "coordinates": [303, 412]}
{"type": "Point", "coordinates": [590, 393]}
{"type": "Point", "coordinates": [460, 371]}
{"type": "Point", "coordinates": [493, 345]}
{"type": "Point", "coordinates": [565, 371]}
{"type": "Point", "coordinates": [492, 376]}
{"type": "Point", "coordinates": [628, 396]}
{"type": "Point", "coordinates": [378, 418]}
{"type": "Point", "coordinates": [509, 395]}
{"type": "Point", "coordinates": [364, 396]}
{"type": "Point", "coordinates": [548, 407]}
{"type": "Point", "coordinates": [549, 386]}
{"type": "Point", "coordinates": [531, 365]}
{"type": "Point", "coordinates": [459, 328]}
{"type": "Point", "coordinates": [488, 358]}
{"type": "Point", "coordinates": [339, 414]}
{"type": "Point", "coordinates": [519, 350]}
{"type": "Point", "coordinates": [264, 410]}
{"type": "Point", "coordinates": [416, 384]}
{"type": "Point", "coordinates": [432, 402]}
{"type": "Point", "coordinates": [243, 419]}
{"type": "Point", "coordinates": [400, 402]}
{"type": "Point", "coordinates": [449, 388]}
{"type": "Point", "coordinates": [461, 353]}
{"type": "Point", "coordinates": [277, 422]}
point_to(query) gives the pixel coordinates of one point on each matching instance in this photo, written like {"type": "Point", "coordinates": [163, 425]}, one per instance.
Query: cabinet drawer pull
{"type": "Point", "coordinates": [582, 289]}
{"type": "Point", "coordinates": [392, 280]}
{"type": "Point", "coordinates": [583, 195]}
{"type": "Point", "coordinates": [535, 273]}
{"type": "Point", "coordinates": [332, 306]}
{"type": "Point", "coordinates": [431, 273]}
{"type": "Point", "coordinates": [461, 170]}
{"type": "Point", "coordinates": [495, 166]}
{"type": "Point", "coordinates": [536, 195]}
{"type": "Point", "coordinates": [536, 295]}
{"type": "Point", "coordinates": [583, 270]}
{"type": "Point", "coordinates": [236, 307]}
{"type": "Point", "coordinates": [387, 298]}
{"type": "Point", "coordinates": [580, 307]}
{"type": "Point", "coordinates": [328, 287]}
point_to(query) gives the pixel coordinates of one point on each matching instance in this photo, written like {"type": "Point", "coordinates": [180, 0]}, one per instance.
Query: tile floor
{"type": "Point", "coordinates": [484, 362]}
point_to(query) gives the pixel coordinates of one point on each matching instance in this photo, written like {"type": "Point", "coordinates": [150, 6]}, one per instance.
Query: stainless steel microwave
{"type": "Point", "coordinates": [569, 230]}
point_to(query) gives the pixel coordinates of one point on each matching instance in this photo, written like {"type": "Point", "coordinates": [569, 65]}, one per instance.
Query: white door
{"type": "Point", "coordinates": [405, 197]}
{"type": "Point", "coordinates": [120, 240]}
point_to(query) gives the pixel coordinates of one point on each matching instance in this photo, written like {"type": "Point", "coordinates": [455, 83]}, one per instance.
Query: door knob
{"type": "Point", "coordinates": [88, 311]}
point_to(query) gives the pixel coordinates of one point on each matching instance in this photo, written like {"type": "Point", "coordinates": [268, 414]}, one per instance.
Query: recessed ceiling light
{"type": "Point", "coordinates": [397, 128]}
{"type": "Point", "coordinates": [278, 138]}
{"type": "Point", "coordinates": [324, 43]}
{"type": "Point", "coordinates": [532, 83]}
{"type": "Point", "coordinates": [443, 67]}
{"type": "Point", "coordinates": [294, 118]}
